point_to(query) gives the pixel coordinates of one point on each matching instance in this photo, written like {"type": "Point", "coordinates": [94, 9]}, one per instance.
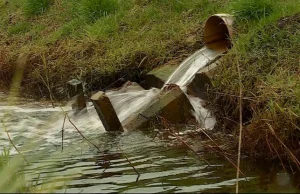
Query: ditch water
{"type": "Point", "coordinates": [36, 131]}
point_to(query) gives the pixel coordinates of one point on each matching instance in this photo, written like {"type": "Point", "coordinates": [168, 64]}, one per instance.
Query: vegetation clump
{"type": "Point", "coordinates": [36, 7]}
{"type": "Point", "coordinates": [19, 28]}
{"type": "Point", "coordinates": [13, 179]}
{"type": "Point", "coordinates": [252, 9]}
{"type": "Point", "coordinates": [95, 9]}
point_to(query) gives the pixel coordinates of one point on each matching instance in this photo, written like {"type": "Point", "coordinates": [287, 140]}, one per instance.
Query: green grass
{"type": "Point", "coordinates": [252, 9]}
{"type": "Point", "coordinates": [12, 177]}
{"type": "Point", "coordinates": [19, 28]}
{"type": "Point", "coordinates": [36, 7]}
{"type": "Point", "coordinates": [92, 10]}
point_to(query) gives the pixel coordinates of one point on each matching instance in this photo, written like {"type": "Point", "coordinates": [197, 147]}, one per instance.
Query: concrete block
{"type": "Point", "coordinates": [199, 86]}
{"type": "Point", "coordinates": [74, 87]}
{"type": "Point", "coordinates": [106, 112]}
{"type": "Point", "coordinates": [158, 76]}
{"type": "Point", "coordinates": [171, 104]}
{"type": "Point", "coordinates": [201, 83]}
{"type": "Point", "coordinates": [75, 92]}
{"type": "Point", "coordinates": [131, 87]}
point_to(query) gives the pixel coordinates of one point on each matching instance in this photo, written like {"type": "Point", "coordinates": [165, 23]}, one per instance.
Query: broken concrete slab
{"type": "Point", "coordinates": [131, 87]}
{"type": "Point", "coordinates": [125, 88]}
{"type": "Point", "coordinates": [199, 86]}
{"type": "Point", "coordinates": [201, 83]}
{"type": "Point", "coordinates": [74, 87]}
{"type": "Point", "coordinates": [171, 104]}
{"type": "Point", "coordinates": [209, 70]}
{"type": "Point", "coordinates": [75, 92]}
{"type": "Point", "coordinates": [158, 76]}
{"type": "Point", "coordinates": [106, 112]}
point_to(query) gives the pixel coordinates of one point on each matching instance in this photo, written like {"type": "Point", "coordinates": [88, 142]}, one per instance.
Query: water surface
{"type": "Point", "coordinates": [80, 167]}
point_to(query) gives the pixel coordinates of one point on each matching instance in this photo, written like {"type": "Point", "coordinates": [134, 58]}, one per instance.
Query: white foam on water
{"type": "Point", "coordinates": [42, 126]}
{"type": "Point", "coordinates": [31, 110]}
{"type": "Point", "coordinates": [129, 103]}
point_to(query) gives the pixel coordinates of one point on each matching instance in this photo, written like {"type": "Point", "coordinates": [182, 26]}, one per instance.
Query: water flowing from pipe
{"type": "Point", "coordinates": [129, 103]}
{"type": "Point", "coordinates": [185, 73]}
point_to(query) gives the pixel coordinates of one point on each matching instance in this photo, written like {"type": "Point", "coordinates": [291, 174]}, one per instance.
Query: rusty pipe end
{"type": "Point", "coordinates": [218, 31]}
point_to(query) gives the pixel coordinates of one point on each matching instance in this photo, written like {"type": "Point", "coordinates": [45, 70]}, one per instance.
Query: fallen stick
{"type": "Point", "coordinates": [166, 124]}
{"type": "Point", "coordinates": [241, 125]}
{"type": "Point", "coordinates": [62, 133]}
{"type": "Point", "coordinates": [12, 143]}
{"type": "Point", "coordinates": [130, 163]}
{"type": "Point", "coordinates": [188, 146]}
{"type": "Point", "coordinates": [222, 153]}
{"type": "Point", "coordinates": [87, 139]}
{"type": "Point", "coordinates": [289, 151]}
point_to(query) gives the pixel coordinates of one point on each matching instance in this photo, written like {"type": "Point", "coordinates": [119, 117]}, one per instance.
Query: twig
{"type": "Point", "coordinates": [223, 154]}
{"type": "Point", "coordinates": [187, 145]}
{"type": "Point", "coordinates": [137, 179]}
{"type": "Point", "coordinates": [241, 126]}
{"type": "Point", "coordinates": [269, 143]}
{"type": "Point", "coordinates": [62, 133]}
{"type": "Point", "coordinates": [166, 124]}
{"type": "Point", "coordinates": [231, 120]}
{"type": "Point", "coordinates": [292, 155]}
{"type": "Point", "coordinates": [143, 116]}
{"type": "Point", "coordinates": [295, 126]}
{"type": "Point", "coordinates": [50, 93]}
{"type": "Point", "coordinates": [47, 78]}
{"type": "Point", "coordinates": [87, 139]}
{"type": "Point", "coordinates": [244, 98]}
{"type": "Point", "coordinates": [12, 143]}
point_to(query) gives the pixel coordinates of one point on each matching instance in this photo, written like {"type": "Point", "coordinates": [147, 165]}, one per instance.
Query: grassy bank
{"type": "Point", "coordinates": [266, 52]}
{"type": "Point", "coordinates": [96, 41]}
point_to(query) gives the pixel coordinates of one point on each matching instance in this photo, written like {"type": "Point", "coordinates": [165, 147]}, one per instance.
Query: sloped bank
{"type": "Point", "coordinates": [270, 77]}
{"type": "Point", "coordinates": [63, 43]}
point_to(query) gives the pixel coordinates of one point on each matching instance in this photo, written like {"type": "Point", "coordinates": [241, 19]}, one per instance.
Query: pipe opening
{"type": "Point", "coordinates": [218, 31]}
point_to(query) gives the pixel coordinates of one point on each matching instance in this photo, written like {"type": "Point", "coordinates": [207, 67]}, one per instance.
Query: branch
{"type": "Point", "coordinates": [130, 164]}
{"type": "Point", "coordinates": [87, 139]}
{"type": "Point", "coordinates": [62, 133]}
{"type": "Point", "coordinates": [5, 129]}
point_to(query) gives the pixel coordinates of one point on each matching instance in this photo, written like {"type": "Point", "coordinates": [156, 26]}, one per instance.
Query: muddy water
{"type": "Point", "coordinates": [80, 167]}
